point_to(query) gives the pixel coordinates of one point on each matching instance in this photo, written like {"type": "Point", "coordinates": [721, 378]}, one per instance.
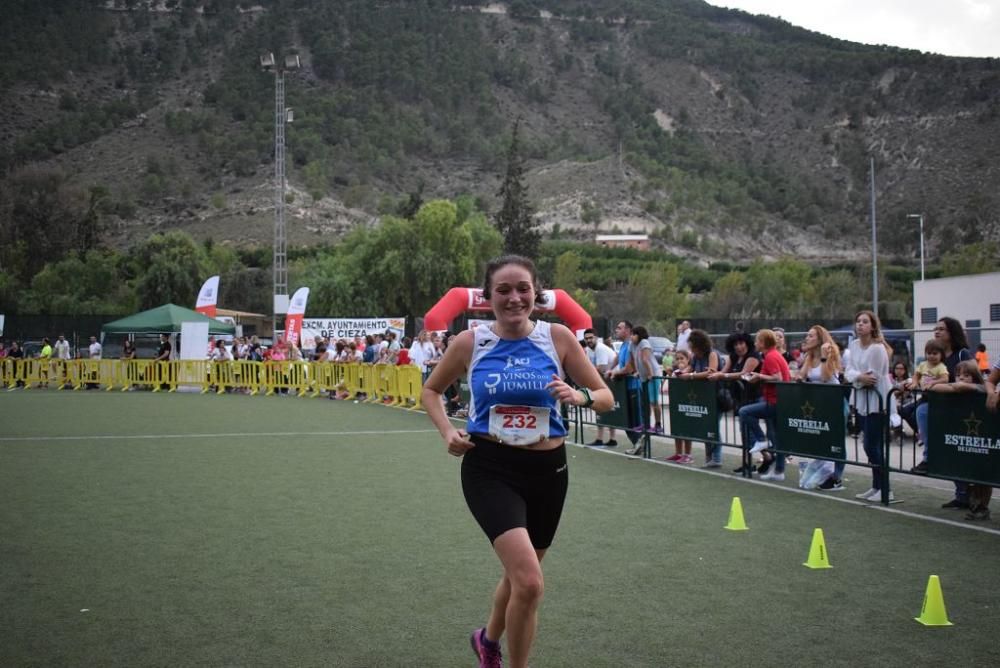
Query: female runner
{"type": "Point", "coordinates": [514, 471]}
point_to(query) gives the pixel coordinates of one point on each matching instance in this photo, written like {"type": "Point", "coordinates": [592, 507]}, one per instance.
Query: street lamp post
{"type": "Point", "coordinates": [282, 115]}
{"type": "Point", "coordinates": [920, 216]}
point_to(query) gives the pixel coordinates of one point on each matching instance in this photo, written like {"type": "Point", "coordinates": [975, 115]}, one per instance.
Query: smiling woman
{"type": "Point", "coordinates": [514, 469]}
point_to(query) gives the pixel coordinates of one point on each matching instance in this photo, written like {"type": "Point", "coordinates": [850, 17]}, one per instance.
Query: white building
{"type": "Point", "coordinates": [973, 300]}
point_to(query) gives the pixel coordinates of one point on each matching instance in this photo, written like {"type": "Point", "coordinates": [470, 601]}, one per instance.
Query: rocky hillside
{"type": "Point", "coordinates": [721, 134]}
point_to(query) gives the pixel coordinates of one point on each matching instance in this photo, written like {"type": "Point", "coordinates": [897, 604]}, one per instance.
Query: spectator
{"type": "Point", "coordinates": [603, 359]}
{"type": "Point", "coordinates": [62, 351]}
{"type": "Point", "coordinates": [741, 358]}
{"type": "Point", "coordinates": [683, 334]}
{"type": "Point", "coordinates": [903, 400]}
{"type": "Point", "coordinates": [779, 334]}
{"type": "Point", "coordinates": [391, 349]}
{"type": "Point", "coordinates": [968, 378]}
{"type": "Point", "coordinates": [94, 352]}
{"type": "Point", "coordinates": [773, 369]}
{"type": "Point", "coordinates": [868, 371]}
{"type": "Point", "coordinates": [438, 342]}
{"type": "Point", "coordinates": [927, 374]}
{"type": "Point", "coordinates": [3, 350]}
{"type": "Point", "coordinates": [682, 447]}
{"type": "Point", "coordinates": [221, 353]}
{"type": "Point", "coordinates": [370, 355]}
{"type": "Point", "coordinates": [421, 351]}
{"type": "Point", "coordinates": [993, 387]}
{"type": "Point", "coordinates": [44, 357]}
{"type": "Point", "coordinates": [650, 374]}
{"type": "Point", "coordinates": [950, 334]}
{"type": "Point", "coordinates": [623, 331]}
{"type": "Point", "coordinates": [821, 364]}
{"type": "Point", "coordinates": [16, 353]}
{"type": "Point", "coordinates": [320, 350]}
{"type": "Point", "coordinates": [704, 363]}
{"type": "Point", "coordinates": [982, 359]}
{"type": "Point", "coordinates": [403, 357]}
{"type": "Point", "coordinates": [128, 354]}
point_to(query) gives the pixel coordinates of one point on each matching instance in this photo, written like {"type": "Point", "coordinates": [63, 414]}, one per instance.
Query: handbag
{"type": "Point", "coordinates": [724, 398]}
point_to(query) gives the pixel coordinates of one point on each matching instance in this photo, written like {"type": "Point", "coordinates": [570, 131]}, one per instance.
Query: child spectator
{"type": "Point", "coordinates": [969, 379]}
{"type": "Point", "coordinates": [929, 372]}
{"type": "Point", "coordinates": [932, 370]}
{"type": "Point", "coordinates": [682, 447]}
{"type": "Point", "coordinates": [903, 399]}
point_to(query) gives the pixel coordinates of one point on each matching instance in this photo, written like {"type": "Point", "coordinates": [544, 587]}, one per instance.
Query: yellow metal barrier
{"type": "Point", "coordinates": [389, 384]}
{"type": "Point", "coordinates": [164, 376]}
{"type": "Point", "coordinates": [223, 376]}
{"type": "Point", "coordinates": [286, 377]}
{"type": "Point", "coordinates": [249, 375]}
{"type": "Point", "coordinates": [353, 379]}
{"type": "Point", "coordinates": [31, 372]}
{"type": "Point", "coordinates": [194, 373]}
{"type": "Point", "coordinates": [370, 381]}
{"type": "Point", "coordinates": [324, 378]}
{"type": "Point", "coordinates": [88, 373]}
{"type": "Point", "coordinates": [409, 381]}
{"type": "Point", "coordinates": [113, 374]}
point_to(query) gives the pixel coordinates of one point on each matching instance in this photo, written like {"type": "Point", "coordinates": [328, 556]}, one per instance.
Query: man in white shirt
{"type": "Point", "coordinates": [62, 348]}
{"type": "Point", "coordinates": [95, 354]}
{"type": "Point", "coordinates": [95, 349]}
{"type": "Point", "coordinates": [683, 333]}
{"type": "Point", "coordinates": [604, 359]}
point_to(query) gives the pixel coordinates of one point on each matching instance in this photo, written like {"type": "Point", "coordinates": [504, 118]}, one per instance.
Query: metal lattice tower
{"type": "Point", "coordinates": [280, 241]}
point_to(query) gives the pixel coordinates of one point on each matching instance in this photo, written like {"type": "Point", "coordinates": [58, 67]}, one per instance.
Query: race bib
{"type": "Point", "coordinates": [519, 425]}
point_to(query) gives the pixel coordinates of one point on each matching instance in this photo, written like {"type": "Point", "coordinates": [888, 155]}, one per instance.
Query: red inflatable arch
{"type": "Point", "coordinates": [460, 300]}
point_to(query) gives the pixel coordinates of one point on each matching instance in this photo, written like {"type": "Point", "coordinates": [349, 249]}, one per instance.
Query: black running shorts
{"type": "Point", "coordinates": [507, 488]}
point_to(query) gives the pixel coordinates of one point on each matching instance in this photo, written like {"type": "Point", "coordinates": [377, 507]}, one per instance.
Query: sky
{"type": "Point", "coordinates": [949, 27]}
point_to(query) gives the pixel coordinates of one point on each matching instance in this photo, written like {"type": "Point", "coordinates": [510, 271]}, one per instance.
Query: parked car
{"type": "Point", "coordinates": [661, 344]}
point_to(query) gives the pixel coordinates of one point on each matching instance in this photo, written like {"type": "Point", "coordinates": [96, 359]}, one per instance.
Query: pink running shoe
{"type": "Point", "coordinates": [674, 458]}
{"type": "Point", "coordinates": [686, 459]}
{"type": "Point", "coordinates": [488, 658]}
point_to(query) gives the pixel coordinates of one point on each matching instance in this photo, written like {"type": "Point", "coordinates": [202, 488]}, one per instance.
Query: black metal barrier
{"type": "Point", "coordinates": [811, 420]}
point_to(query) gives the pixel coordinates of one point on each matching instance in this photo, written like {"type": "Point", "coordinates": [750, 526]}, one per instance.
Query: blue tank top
{"type": "Point", "coordinates": [513, 373]}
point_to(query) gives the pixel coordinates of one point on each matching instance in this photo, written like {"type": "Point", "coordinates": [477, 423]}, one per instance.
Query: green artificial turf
{"type": "Point", "coordinates": [329, 533]}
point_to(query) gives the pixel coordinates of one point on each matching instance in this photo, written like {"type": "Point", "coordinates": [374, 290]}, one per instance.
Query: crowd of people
{"type": "Point", "coordinates": [878, 389]}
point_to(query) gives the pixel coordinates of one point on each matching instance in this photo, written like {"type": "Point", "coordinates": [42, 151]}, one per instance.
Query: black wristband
{"type": "Point", "coordinates": [588, 400]}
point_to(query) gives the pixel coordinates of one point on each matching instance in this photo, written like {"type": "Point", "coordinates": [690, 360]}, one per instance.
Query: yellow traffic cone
{"type": "Point", "coordinates": [818, 558]}
{"type": "Point", "coordinates": [736, 522]}
{"type": "Point", "coordinates": [933, 612]}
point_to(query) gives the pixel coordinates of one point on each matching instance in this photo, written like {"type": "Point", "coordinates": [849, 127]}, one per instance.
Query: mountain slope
{"type": "Point", "coordinates": [721, 134]}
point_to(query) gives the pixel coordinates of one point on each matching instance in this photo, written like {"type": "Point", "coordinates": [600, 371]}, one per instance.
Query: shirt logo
{"type": "Point", "coordinates": [491, 388]}
{"type": "Point", "coordinates": [485, 342]}
{"type": "Point", "coordinates": [517, 361]}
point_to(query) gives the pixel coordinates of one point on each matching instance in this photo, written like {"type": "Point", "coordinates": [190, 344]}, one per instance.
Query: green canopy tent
{"type": "Point", "coordinates": [164, 319]}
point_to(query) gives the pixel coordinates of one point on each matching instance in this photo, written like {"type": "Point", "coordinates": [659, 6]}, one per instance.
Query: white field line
{"type": "Point", "coordinates": [255, 434]}
{"type": "Point", "coordinates": [795, 490]}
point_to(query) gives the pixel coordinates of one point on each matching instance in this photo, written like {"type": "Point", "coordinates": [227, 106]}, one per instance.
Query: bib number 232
{"type": "Point", "coordinates": [519, 425]}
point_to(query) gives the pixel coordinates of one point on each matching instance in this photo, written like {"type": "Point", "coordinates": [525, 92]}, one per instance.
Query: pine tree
{"type": "Point", "coordinates": [515, 219]}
